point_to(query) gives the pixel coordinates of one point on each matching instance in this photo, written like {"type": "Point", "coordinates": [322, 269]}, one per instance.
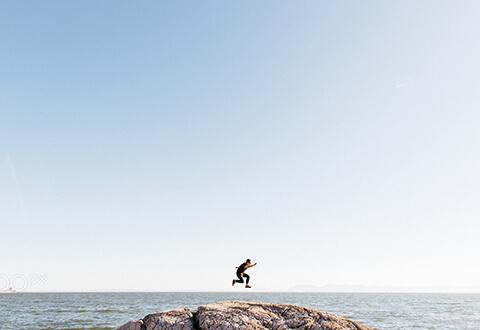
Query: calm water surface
{"type": "Point", "coordinates": [109, 310]}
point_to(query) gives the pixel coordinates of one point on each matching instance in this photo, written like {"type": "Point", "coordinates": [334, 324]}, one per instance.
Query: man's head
{"type": "Point", "coordinates": [249, 261]}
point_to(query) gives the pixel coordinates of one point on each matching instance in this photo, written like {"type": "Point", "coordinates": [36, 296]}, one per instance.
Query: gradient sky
{"type": "Point", "coordinates": [156, 145]}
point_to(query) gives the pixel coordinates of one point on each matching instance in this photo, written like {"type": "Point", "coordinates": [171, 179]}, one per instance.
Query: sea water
{"type": "Point", "coordinates": [110, 310]}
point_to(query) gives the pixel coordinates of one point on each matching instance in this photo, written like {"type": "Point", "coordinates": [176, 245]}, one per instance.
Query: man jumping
{"type": "Point", "coordinates": [241, 273]}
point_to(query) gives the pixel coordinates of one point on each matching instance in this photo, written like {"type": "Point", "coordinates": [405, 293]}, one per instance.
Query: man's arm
{"type": "Point", "coordinates": [252, 265]}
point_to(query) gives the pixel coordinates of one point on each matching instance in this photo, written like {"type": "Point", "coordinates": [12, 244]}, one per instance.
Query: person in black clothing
{"type": "Point", "coordinates": [241, 273]}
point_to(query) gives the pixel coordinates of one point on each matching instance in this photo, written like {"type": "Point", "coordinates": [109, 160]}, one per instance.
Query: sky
{"type": "Point", "coordinates": [154, 146]}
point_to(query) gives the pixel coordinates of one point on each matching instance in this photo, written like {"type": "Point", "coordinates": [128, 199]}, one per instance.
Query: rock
{"type": "Point", "coordinates": [242, 315]}
{"type": "Point", "coordinates": [178, 319]}
{"type": "Point", "coordinates": [132, 325]}
{"type": "Point", "coordinates": [251, 315]}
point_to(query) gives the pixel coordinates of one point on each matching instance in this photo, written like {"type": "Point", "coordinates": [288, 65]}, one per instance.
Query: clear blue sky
{"type": "Point", "coordinates": [155, 145]}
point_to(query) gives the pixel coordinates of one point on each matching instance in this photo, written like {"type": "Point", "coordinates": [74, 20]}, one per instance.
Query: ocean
{"type": "Point", "coordinates": [110, 310]}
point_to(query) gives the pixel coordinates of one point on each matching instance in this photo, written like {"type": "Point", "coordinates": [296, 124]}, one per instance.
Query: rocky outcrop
{"type": "Point", "coordinates": [178, 319]}
{"type": "Point", "coordinates": [242, 315]}
{"type": "Point", "coordinates": [132, 325]}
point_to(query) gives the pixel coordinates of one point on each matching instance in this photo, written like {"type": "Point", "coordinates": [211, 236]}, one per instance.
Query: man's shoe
{"type": "Point", "coordinates": [248, 286]}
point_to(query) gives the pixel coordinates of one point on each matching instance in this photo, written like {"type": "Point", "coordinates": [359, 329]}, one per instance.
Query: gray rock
{"type": "Point", "coordinates": [232, 315]}
{"type": "Point", "coordinates": [242, 315]}
{"type": "Point", "coordinates": [132, 325]}
{"type": "Point", "coordinates": [178, 319]}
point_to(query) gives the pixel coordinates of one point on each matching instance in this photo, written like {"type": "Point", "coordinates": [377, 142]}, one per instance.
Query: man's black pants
{"type": "Point", "coordinates": [240, 279]}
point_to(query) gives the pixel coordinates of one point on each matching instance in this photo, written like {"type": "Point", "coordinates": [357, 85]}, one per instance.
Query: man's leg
{"type": "Point", "coordinates": [247, 277]}
{"type": "Point", "coordinates": [240, 279]}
